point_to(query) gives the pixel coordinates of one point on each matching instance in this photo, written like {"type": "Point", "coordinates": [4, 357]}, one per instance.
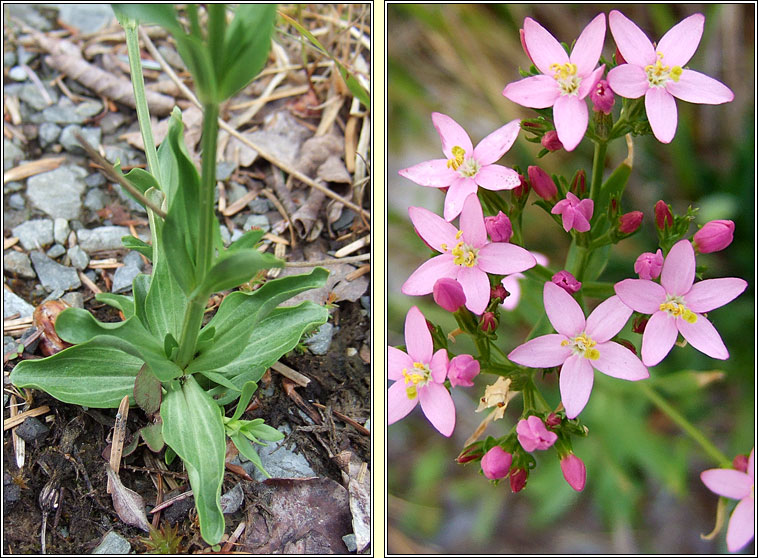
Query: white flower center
{"type": "Point", "coordinates": [565, 75]}
{"type": "Point", "coordinates": [674, 306]}
{"type": "Point", "coordinates": [418, 377]}
{"type": "Point", "coordinates": [583, 345]}
{"type": "Point", "coordinates": [467, 167]}
{"type": "Point", "coordinates": [658, 74]}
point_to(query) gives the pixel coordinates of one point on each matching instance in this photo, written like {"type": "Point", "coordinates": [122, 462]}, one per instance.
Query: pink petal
{"type": "Point", "coordinates": [619, 362]}
{"type": "Point", "coordinates": [397, 360]}
{"type": "Point", "coordinates": [586, 207]}
{"type": "Point", "coordinates": [472, 222]}
{"type": "Point", "coordinates": [678, 271]}
{"type": "Point", "coordinates": [590, 81]}
{"type": "Point", "coordinates": [576, 384]}
{"type": "Point", "coordinates": [628, 80]}
{"type": "Point", "coordinates": [497, 177]}
{"type": "Point", "coordinates": [581, 223]}
{"type": "Point", "coordinates": [439, 365]}
{"type": "Point", "coordinates": [661, 113]}
{"type": "Point", "coordinates": [398, 404]}
{"type": "Point", "coordinates": [476, 287]}
{"type": "Point", "coordinates": [452, 134]}
{"type": "Point", "coordinates": [495, 145]}
{"type": "Point", "coordinates": [570, 115]}
{"type": "Point", "coordinates": [543, 48]}
{"type": "Point", "coordinates": [533, 92]}
{"type": "Point", "coordinates": [459, 190]}
{"type": "Point", "coordinates": [631, 41]}
{"type": "Point", "coordinates": [562, 310]}
{"type": "Point", "coordinates": [741, 528]}
{"type": "Point", "coordinates": [422, 280]}
{"type": "Point", "coordinates": [607, 319]}
{"type": "Point", "coordinates": [695, 87]}
{"type": "Point", "coordinates": [659, 337]}
{"type": "Point", "coordinates": [418, 339]}
{"type": "Point", "coordinates": [541, 352]}
{"type": "Point", "coordinates": [588, 46]}
{"type": "Point", "coordinates": [511, 284]}
{"type": "Point", "coordinates": [503, 258]}
{"type": "Point", "coordinates": [641, 295]}
{"type": "Point", "coordinates": [706, 295]}
{"type": "Point", "coordinates": [729, 483]}
{"type": "Point", "coordinates": [567, 218]}
{"type": "Point", "coordinates": [434, 173]}
{"type": "Point", "coordinates": [681, 41]}
{"type": "Point", "coordinates": [438, 407]}
{"type": "Point", "coordinates": [703, 336]}
{"type": "Point", "coordinates": [432, 228]}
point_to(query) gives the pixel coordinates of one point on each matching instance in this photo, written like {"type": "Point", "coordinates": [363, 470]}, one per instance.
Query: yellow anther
{"type": "Point", "coordinates": [592, 354]}
{"type": "Point", "coordinates": [675, 73]}
{"type": "Point", "coordinates": [464, 255]}
{"type": "Point", "coordinates": [419, 376]}
{"type": "Point", "coordinates": [689, 316]}
{"type": "Point", "coordinates": [444, 247]}
{"type": "Point", "coordinates": [563, 71]}
{"type": "Point", "coordinates": [457, 160]}
{"type": "Point", "coordinates": [458, 235]}
{"type": "Point", "coordinates": [678, 310]}
{"type": "Point", "coordinates": [411, 392]}
{"type": "Point", "coordinates": [565, 342]}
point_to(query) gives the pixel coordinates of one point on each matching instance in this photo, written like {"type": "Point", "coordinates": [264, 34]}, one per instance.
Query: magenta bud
{"type": "Point", "coordinates": [639, 323]}
{"type": "Point", "coordinates": [498, 292]}
{"type": "Point", "coordinates": [462, 369]}
{"type": "Point", "coordinates": [542, 183]}
{"type": "Point", "coordinates": [628, 344]}
{"type": "Point", "coordinates": [496, 463]}
{"type": "Point", "coordinates": [551, 142]}
{"type": "Point", "coordinates": [574, 472]}
{"type": "Point", "coordinates": [448, 293]}
{"type": "Point", "coordinates": [518, 480]}
{"type": "Point", "coordinates": [468, 455]}
{"type": "Point", "coordinates": [619, 59]}
{"type": "Point", "coordinates": [714, 236]}
{"type": "Point", "coordinates": [567, 282]}
{"type": "Point", "coordinates": [522, 189]}
{"type": "Point", "coordinates": [630, 222]}
{"type": "Point", "coordinates": [663, 215]}
{"type": "Point", "coordinates": [499, 227]}
{"type": "Point", "coordinates": [579, 182]}
{"type": "Point", "coordinates": [602, 97]}
{"type": "Point", "coordinates": [740, 463]}
{"type": "Point", "coordinates": [552, 420]}
{"type": "Point", "coordinates": [488, 322]}
{"type": "Point", "coordinates": [648, 265]}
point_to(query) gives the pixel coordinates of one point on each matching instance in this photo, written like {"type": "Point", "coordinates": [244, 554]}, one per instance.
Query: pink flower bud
{"type": "Point", "coordinates": [574, 472]}
{"type": "Point", "coordinates": [496, 463]}
{"type": "Point", "coordinates": [469, 454]}
{"type": "Point", "coordinates": [518, 480]}
{"type": "Point", "coordinates": [499, 227]}
{"type": "Point", "coordinates": [619, 59]}
{"type": "Point", "coordinates": [448, 293]}
{"type": "Point", "coordinates": [628, 344]}
{"type": "Point", "coordinates": [648, 265]}
{"type": "Point", "coordinates": [714, 236]}
{"type": "Point", "coordinates": [532, 434]}
{"type": "Point", "coordinates": [602, 97]}
{"type": "Point", "coordinates": [488, 322]}
{"type": "Point", "coordinates": [552, 420]}
{"type": "Point", "coordinates": [740, 463]}
{"type": "Point", "coordinates": [498, 292]}
{"type": "Point", "coordinates": [522, 189]}
{"type": "Point", "coordinates": [462, 369]}
{"type": "Point", "coordinates": [579, 182]}
{"type": "Point", "coordinates": [567, 282]}
{"type": "Point", "coordinates": [630, 222]}
{"type": "Point", "coordinates": [551, 142]}
{"type": "Point", "coordinates": [663, 215]}
{"type": "Point", "coordinates": [542, 183]}
{"type": "Point", "coordinates": [639, 323]}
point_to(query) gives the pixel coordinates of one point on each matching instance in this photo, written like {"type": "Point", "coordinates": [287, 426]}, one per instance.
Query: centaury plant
{"type": "Point", "coordinates": [161, 353]}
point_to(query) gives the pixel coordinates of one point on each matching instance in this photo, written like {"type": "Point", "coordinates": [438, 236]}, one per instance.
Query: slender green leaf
{"type": "Point", "coordinates": [139, 178]}
{"type": "Point", "coordinates": [161, 14]}
{"type": "Point", "coordinates": [262, 431]}
{"type": "Point", "coordinates": [133, 243]}
{"type": "Point", "coordinates": [248, 451]}
{"type": "Point", "coordinates": [122, 302]}
{"type": "Point", "coordinates": [92, 374]}
{"type": "Point", "coordinates": [247, 394]}
{"type": "Point", "coordinates": [140, 286]}
{"type": "Point", "coordinates": [166, 302]}
{"type": "Point", "coordinates": [247, 240]}
{"type": "Point", "coordinates": [180, 263]}
{"type": "Point", "coordinates": [235, 268]}
{"type": "Point", "coordinates": [193, 427]}
{"type": "Point", "coordinates": [219, 379]}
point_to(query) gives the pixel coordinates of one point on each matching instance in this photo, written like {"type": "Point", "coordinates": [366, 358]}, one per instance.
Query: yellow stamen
{"type": "Point", "coordinates": [658, 74]}
{"type": "Point", "coordinates": [678, 310]}
{"type": "Point", "coordinates": [563, 71]}
{"type": "Point", "coordinates": [420, 375]}
{"type": "Point", "coordinates": [457, 160]}
{"type": "Point", "coordinates": [464, 255]}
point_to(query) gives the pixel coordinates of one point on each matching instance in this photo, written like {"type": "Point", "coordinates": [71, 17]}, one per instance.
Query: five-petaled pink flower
{"type": "Point", "coordinates": [738, 486]}
{"type": "Point", "coordinates": [467, 255]}
{"type": "Point", "coordinates": [419, 377]}
{"type": "Point", "coordinates": [532, 434]}
{"type": "Point", "coordinates": [581, 345]}
{"type": "Point", "coordinates": [575, 213]}
{"type": "Point", "coordinates": [565, 80]}
{"type": "Point", "coordinates": [657, 72]}
{"type": "Point", "coordinates": [466, 166]}
{"type": "Point", "coordinates": [677, 305]}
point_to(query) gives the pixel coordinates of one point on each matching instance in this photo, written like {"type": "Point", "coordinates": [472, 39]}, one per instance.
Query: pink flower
{"type": "Point", "coordinates": [565, 80]}
{"type": "Point", "coordinates": [462, 369]}
{"type": "Point", "coordinates": [419, 377]}
{"type": "Point", "coordinates": [714, 236]}
{"type": "Point", "coordinates": [496, 463]}
{"type": "Point", "coordinates": [649, 265]}
{"type": "Point", "coordinates": [512, 286]}
{"type": "Point", "coordinates": [738, 486]}
{"type": "Point", "coordinates": [574, 472]}
{"type": "Point", "coordinates": [677, 305]}
{"type": "Point", "coordinates": [567, 282]}
{"type": "Point", "coordinates": [602, 97]}
{"type": "Point", "coordinates": [465, 166]}
{"type": "Point", "coordinates": [581, 345]}
{"type": "Point", "coordinates": [542, 183]}
{"type": "Point", "coordinates": [658, 73]}
{"type": "Point", "coordinates": [499, 227]}
{"type": "Point", "coordinates": [576, 213]}
{"type": "Point", "coordinates": [448, 293]}
{"type": "Point", "coordinates": [466, 256]}
{"type": "Point", "coordinates": [532, 434]}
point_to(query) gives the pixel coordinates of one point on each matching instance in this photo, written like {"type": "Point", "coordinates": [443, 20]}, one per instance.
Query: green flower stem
{"type": "Point", "coordinates": [685, 425]}
{"type": "Point", "coordinates": [598, 164]}
{"type": "Point", "coordinates": [193, 319]}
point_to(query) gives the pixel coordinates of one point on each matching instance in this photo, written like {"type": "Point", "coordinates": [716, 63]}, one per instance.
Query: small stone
{"type": "Point", "coordinates": [56, 251]}
{"type": "Point", "coordinates": [232, 500]}
{"type": "Point", "coordinates": [345, 220]}
{"type": "Point", "coordinates": [9, 58]}
{"type": "Point", "coordinates": [366, 303]}
{"type": "Point", "coordinates": [95, 199]}
{"type": "Point", "coordinates": [32, 430]}
{"type": "Point", "coordinates": [35, 234]}
{"type": "Point", "coordinates": [113, 543]}
{"type": "Point", "coordinates": [12, 154]}
{"type": "Point", "coordinates": [349, 541]}
{"type": "Point", "coordinates": [111, 122]}
{"type": "Point", "coordinates": [32, 96]}
{"type": "Point", "coordinates": [102, 238]}
{"type": "Point", "coordinates": [280, 462]}
{"type": "Point", "coordinates": [14, 186]}
{"type": "Point", "coordinates": [78, 257]}
{"type": "Point", "coordinates": [319, 342]}
{"type": "Point", "coordinates": [14, 304]}
{"type": "Point", "coordinates": [225, 236]}
{"type": "Point", "coordinates": [29, 346]}
{"type": "Point", "coordinates": [57, 294]}
{"type": "Point", "coordinates": [25, 56]}
{"type": "Point", "coordinates": [17, 73]}
{"type": "Point", "coordinates": [260, 206]}
{"type": "Point", "coordinates": [224, 170]}
{"type": "Point", "coordinates": [351, 351]}
{"type": "Point", "coordinates": [236, 234]}
{"type": "Point", "coordinates": [53, 275]}
{"type": "Point", "coordinates": [124, 275]}
{"type": "Point", "coordinates": [48, 134]}
{"type": "Point", "coordinates": [71, 144]}
{"type": "Point", "coordinates": [19, 264]}
{"type": "Point", "coordinates": [88, 109]}
{"type": "Point", "coordinates": [257, 221]}
{"type": "Point", "coordinates": [121, 153]}
{"type": "Point", "coordinates": [178, 511]}
{"type": "Point", "coordinates": [63, 112]}
{"type": "Point", "coordinates": [87, 18]}
{"type": "Point", "coordinates": [60, 230]}
{"type": "Point", "coordinates": [58, 192]}
{"type": "Point", "coordinates": [234, 191]}
{"type": "Point", "coordinates": [17, 201]}
{"type": "Point", "coordinates": [11, 491]}
{"type": "Point", "coordinates": [74, 299]}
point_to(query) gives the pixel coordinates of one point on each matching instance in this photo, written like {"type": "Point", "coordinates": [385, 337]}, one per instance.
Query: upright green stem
{"type": "Point", "coordinates": [598, 164]}
{"type": "Point", "coordinates": [685, 425]}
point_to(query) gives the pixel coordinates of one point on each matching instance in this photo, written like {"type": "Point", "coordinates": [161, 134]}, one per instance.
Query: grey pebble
{"type": "Point", "coordinates": [11, 491]}
{"type": "Point", "coordinates": [32, 96]}
{"type": "Point", "coordinates": [236, 234]}
{"type": "Point", "coordinates": [87, 18]}
{"type": "Point", "coordinates": [102, 238]}
{"type": "Point", "coordinates": [71, 144]}
{"type": "Point", "coordinates": [56, 251]}
{"type": "Point", "coordinates": [66, 112]}
{"type": "Point", "coordinates": [349, 541]}
{"type": "Point", "coordinates": [94, 180]}
{"type": "Point", "coordinates": [78, 257]}
{"type": "Point", "coordinates": [53, 275]}
{"type": "Point", "coordinates": [234, 191]}
{"type": "Point", "coordinates": [9, 344]}
{"type": "Point", "coordinates": [17, 201]}
{"type": "Point", "coordinates": [35, 234]}
{"type": "Point", "coordinates": [319, 342]}
{"type": "Point", "coordinates": [32, 430]}
{"type": "Point", "coordinates": [14, 186]}
{"type": "Point", "coordinates": [280, 462]}
{"type": "Point", "coordinates": [124, 275]}
{"type": "Point", "coordinates": [48, 133]}
{"type": "Point", "coordinates": [177, 511]}
{"type": "Point", "coordinates": [95, 199]}
{"type": "Point", "coordinates": [17, 73]}
{"type": "Point", "coordinates": [9, 58]}
{"type": "Point", "coordinates": [55, 295]}
{"type": "Point", "coordinates": [58, 192]}
{"type": "Point", "coordinates": [12, 154]}
{"type": "Point", "coordinates": [366, 303]}
{"type": "Point", "coordinates": [29, 347]}
{"type": "Point", "coordinates": [19, 264]}
{"type": "Point", "coordinates": [260, 205]}
{"type": "Point", "coordinates": [232, 500]}
{"type": "Point", "coordinates": [74, 299]}
{"type": "Point", "coordinates": [225, 236]}
{"type": "Point", "coordinates": [29, 14]}
{"type": "Point", "coordinates": [14, 304]}
{"type": "Point", "coordinates": [121, 153]}
{"type": "Point", "coordinates": [224, 170]}
{"type": "Point", "coordinates": [113, 543]}
{"type": "Point", "coordinates": [257, 221]}
{"type": "Point", "coordinates": [111, 122]}
{"type": "Point", "coordinates": [25, 56]}
{"type": "Point", "coordinates": [60, 230]}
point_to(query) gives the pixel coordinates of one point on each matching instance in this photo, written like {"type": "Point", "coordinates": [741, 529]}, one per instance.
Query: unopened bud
{"type": "Point", "coordinates": [498, 292]}
{"type": "Point", "coordinates": [639, 323]}
{"type": "Point", "coordinates": [714, 236]}
{"type": "Point", "coordinates": [499, 227]}
{"type": "Point", "coordinates": [648, 265]}
{"type": "Point", "coordinates": [663, 215]}
{"type": "Point", "coordinates": [619, 59]}
{"type": "Point", "coordinates": [542, 183]}
{"type": "Point", "coordinates": [448, 293]}
{"type": "Point", "coordinates": [630, 222]}
{"type": "Point", "coordinates": [496, 463]}
{"type": "Point", "coordinates": [462, 369]}
{"type": "Point", "coordinates": [522, 190]}
{"type": "Point", "coordinates": [628, 344]}
{"type": "Point", "coordinates": [518, 480]}
{"type": "Point", "coordinates": [579, 183]}
{"type": "Point", "coordinates": [488, 322]}
{"type": "Point", "coordinates": [469, 454]}
{"type": "Point", "coordinates": [574, 472]}
{"type": "Point", "coordinates": [567, 282]}
{"type": "Point", "coordinates": [552, 420]}
{"type": "Point", "coordinates": [740, 463]}
{"type": "Point", "coordinates": [551, 142]}
{"type": "Point", "coordinates": [602, 97]}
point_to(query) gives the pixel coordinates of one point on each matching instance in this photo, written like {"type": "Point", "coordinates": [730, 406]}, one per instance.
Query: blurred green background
{"type": "Point", "coordinates": [643, 489]}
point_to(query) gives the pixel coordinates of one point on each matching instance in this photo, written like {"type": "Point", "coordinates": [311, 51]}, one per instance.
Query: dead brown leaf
{"type": "Point", "coordinates": [129, 505]}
